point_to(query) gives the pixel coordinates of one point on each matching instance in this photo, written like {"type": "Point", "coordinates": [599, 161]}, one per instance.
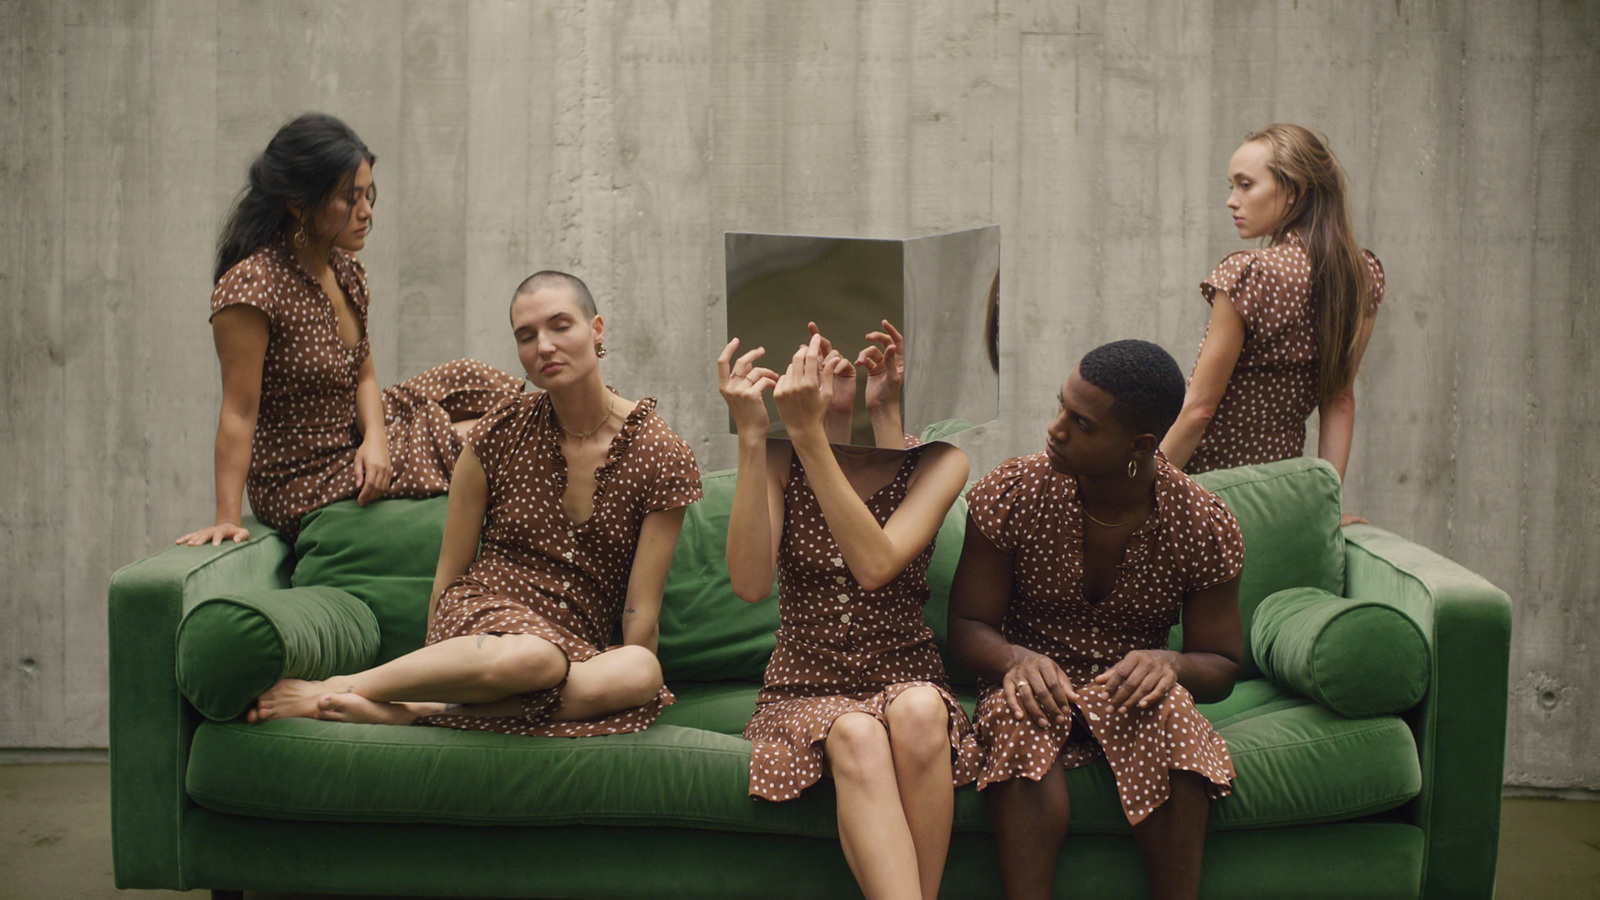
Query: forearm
{"type": "Point", "coordinates": [1209, 677]}
{"type": "Point", "coordinates": [1185, 434]}
{"type": "Point", "coordinates": [983, 650]}
{"type": "Point", "coordinates": [369, 405]}
{"type": "Point", "coordinates": [641, 626]}
{"type": "Point", "coordinates": [1336, 421]}
{"type": "Point", "coordinates": [235, 433]}
{"type": "Point", "coordinates": [839, 425]}
{"type": "Point", "coordinates": [861, 540]}
{"type": "Point", "coordinates": [749, 551]}
{"type": "Point", "coordinates": [888, 432]}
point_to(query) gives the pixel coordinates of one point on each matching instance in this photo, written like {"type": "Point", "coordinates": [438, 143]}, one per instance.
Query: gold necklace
{"type": "Point", "coordinates": [1091, 518]}
{"type": "Point", "coordinates": [580, 435]}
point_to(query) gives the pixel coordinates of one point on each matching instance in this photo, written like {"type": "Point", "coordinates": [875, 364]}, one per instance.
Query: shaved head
{"type": "Point", "coordinates": [551, 278]}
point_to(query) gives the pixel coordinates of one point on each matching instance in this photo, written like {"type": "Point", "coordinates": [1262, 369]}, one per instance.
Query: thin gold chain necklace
{"type": "Point", "coordinates": [1090, 517]}
{"type": "Point", "coordinates": [580, 435]}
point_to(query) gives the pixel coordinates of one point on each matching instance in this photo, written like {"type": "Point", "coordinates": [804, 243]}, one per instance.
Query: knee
{"type": "Point", "coordinates": [639, 676]}
{"type": "Point", "coordinates": [858, 748]}
{"type": "Point", "coordinates": [919, 722]}
{"type": "Point", "coordinates": [523, 663]}
{"type": "Point", "coordinates": [627, 676]}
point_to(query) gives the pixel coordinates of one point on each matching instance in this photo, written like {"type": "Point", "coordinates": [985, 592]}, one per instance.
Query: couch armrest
{"type": "Point", "coordinates": [151, 724]}
{"type": "Point", "coordinates": [1461, 725]}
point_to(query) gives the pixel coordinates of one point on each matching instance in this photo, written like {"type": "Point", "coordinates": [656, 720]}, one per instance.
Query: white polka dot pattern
{"type": "Point", "coordinates": [1190, 542]}
{"type": "Point", "coordinates": [539, 572]}
{"type": "Point", "coordinates": [1273, 389]}
{"type": "Point", "coordinates": [303, 453]}
{"type": "Point", "coordinates": [842, 648]}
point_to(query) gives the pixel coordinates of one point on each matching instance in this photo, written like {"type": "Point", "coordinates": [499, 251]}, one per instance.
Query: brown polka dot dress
{"type": "Point", "coordinates": [1189, 543]}
{"type": "Point", "coordinates": [303, 454]}
{"type": "Point", "coordinates": [842, 648]}
{"type": "Point", "coordinates": [1273, 389]}
{"type": "Point", "coordinates": [538, 572]}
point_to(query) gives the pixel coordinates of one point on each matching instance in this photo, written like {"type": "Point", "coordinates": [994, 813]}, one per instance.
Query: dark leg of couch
{"type": "Point", "coordinates": [226, 895]}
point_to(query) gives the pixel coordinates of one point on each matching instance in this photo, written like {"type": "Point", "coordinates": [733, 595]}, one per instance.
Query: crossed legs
{"type": "Point", "coordinates": [895, 794]}
{"type": "Point", "coordinates": [1031, 817]}
{"type": "Point", "coordinates": [471, 675]}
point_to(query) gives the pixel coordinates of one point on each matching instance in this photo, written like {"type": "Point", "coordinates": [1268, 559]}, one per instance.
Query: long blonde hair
{"type": "Point", "coordinates": [1342, 287]}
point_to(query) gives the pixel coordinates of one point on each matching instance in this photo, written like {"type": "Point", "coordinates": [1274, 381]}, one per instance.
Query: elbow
{"type": "Point", "coordinates": [1198, 412]}
{"type": "Point", "coordinates": [1219, 686]}
{"type": "Point", "coordinates": [1341, 401]}
{"type": "Point", "coordinates": [874, 579]}
{"type": "Point", "coordinates": [750, 591]}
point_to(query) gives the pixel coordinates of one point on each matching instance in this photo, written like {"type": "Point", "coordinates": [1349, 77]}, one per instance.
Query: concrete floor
{"type": "Point", "coordinates": [55, 840]}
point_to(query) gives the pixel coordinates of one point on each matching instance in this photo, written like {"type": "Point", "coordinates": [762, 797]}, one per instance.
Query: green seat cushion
{"type": "Point", "coordinates": [384, 553]}
{"type": "Point", "coordinates": [1289, 512]}
{"type": "Point", "coordinates": [720, 706]}
{"type": "Point", "coordinates": [1356, 657]}
{"type": "Point", "coordinates": [235, 646]}
{"type": "Point", "coordinates": [1297, 763]}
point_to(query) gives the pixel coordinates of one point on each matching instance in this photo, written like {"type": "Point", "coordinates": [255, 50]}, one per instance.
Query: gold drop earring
{"type": "Point", "coordinates": [1133, 468]}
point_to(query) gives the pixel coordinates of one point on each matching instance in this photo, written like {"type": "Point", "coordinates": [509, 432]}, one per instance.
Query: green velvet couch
{"type": "Point", "coordinates": [1324, 805]}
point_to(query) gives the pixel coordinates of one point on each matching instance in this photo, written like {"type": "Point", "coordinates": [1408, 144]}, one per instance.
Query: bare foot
{"type": "Point", "coordinates": [352, 707]}
{"type": "Point", "coordinates": [288, 699]}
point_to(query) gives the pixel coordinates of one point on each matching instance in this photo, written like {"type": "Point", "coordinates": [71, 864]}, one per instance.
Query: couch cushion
{"type": "Point", "coordinates": [385, 554]}
{"type": "Point", "coordinates": [1356, 657]}
{"type": "Point", "coordinates": [1297, 763]}
{"type": "Point", "coordinates": [233, 647]}
{"type": "Point", "coordinates": [707, 632]}
{"type": "Point", "coordinates": [1289, 512]}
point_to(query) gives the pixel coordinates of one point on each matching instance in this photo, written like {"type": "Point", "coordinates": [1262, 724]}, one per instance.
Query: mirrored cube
{"type": "Point", "coordinates": [941, 291]}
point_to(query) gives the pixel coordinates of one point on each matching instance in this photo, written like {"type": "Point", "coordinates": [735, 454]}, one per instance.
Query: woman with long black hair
{"type": "Point", "coordinates": [303, 422]}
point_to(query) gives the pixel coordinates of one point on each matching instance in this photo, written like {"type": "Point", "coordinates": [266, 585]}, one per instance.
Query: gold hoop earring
{"type": "Point", "coordinates": [600, 351]}
{"type": "Point", "coordinates": [1133, 468]}
{"type": "Point", "coordinates": [300, 238]}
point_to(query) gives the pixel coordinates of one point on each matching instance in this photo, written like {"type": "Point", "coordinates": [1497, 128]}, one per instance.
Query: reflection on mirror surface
{"type": "Point", "coordinates": [941, 291]}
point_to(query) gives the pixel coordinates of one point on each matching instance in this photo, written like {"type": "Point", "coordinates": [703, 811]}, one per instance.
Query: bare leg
{"type": "Point", "coordinates": [463, 426]}
{"type": "Point", "coordinates": [1173, 839]}
{"type": "Point", "coordinates": [610, 682]}
{"type": "Point", "coordinates": [352, 707]}
{"type": "Point", "coordinates": [1030, 821]}
{"type": "Point", "coordinates": [872, 825]}
{"type": "Point", "coordinates": [472, 669]}
{"type": "Point", "coordinates": [919, 740]}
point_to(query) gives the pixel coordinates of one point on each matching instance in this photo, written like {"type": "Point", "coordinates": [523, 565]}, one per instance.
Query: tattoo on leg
{"type": "Point", "coordinates": [480, 640]}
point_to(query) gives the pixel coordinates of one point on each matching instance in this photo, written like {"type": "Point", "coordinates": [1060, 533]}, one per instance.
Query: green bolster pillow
{"type": "Point", "coordinates": [233, 647]}
{"type": "Point", "coordinates": [1356, 657]}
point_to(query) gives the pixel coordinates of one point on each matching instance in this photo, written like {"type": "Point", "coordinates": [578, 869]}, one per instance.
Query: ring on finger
{"type": "Point", "coordinates": [1023, 684]}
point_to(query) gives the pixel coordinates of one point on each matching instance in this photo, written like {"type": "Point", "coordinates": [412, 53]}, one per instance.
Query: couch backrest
{"type": "Point", "coordinates": [1289, 512]}
{"type": "Point", "coordinates": [385, 554]}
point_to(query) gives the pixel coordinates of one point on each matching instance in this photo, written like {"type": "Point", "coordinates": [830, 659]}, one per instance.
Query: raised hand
{"type": "Point", "coordinates": [802, 394]}
{"type": "Point", "coordinates": [885, 365]}
{"type": "Point", "coordinates": [742, 383]}
{"type": "Point", "coordinates": [835, 366]}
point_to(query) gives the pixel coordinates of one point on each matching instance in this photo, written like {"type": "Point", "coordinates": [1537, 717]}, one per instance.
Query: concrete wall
{"type": "Point", "coordinates": [619, 140]}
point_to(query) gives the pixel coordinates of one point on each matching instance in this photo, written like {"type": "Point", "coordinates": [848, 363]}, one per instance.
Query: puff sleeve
{"type": "Point", "coordinates": [998, 504]}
